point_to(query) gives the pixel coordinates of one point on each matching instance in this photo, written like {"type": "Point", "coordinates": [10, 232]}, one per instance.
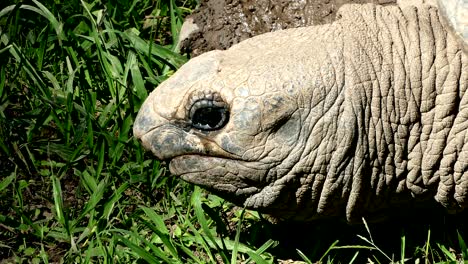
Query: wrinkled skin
{"type": "Point", "coordinates": [366, 114]}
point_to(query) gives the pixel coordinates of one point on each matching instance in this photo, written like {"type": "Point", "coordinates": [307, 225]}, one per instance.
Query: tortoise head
{"type": "Point", "coordinates": [232, 121]}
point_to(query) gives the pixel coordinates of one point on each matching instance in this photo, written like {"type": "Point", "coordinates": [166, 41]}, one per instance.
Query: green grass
{"type": "Point", "coordinates": [76, 187]}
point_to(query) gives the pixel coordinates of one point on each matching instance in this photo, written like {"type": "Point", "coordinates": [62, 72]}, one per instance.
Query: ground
{"type": "Point", "coordinates": [223, 23]}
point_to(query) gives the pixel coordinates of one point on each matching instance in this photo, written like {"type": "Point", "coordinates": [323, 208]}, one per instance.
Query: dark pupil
{"type": "Point", "coordinates": [208, 116]}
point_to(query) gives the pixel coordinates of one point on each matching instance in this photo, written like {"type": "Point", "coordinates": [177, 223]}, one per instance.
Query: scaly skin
{"type": "Point", "coordinates": [366, 114]}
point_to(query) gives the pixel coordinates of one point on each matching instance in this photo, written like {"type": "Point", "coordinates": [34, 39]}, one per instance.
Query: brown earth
{"type": "Point", "coordinates": [223, 23]}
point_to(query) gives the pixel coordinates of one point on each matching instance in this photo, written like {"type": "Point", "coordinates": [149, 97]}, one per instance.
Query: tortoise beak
{"type": "Point", "coordinates": [164, 138]}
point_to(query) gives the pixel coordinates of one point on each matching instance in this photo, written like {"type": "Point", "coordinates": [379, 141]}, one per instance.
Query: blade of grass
{"type": "Point", "coordinates": [2, 79]}
{"type": "Point", "coordinates": [58, 202]}
{"type": "Point", "coordinates": [174, 59]}
{"type": "Point", "coordinates": [160, 229]}
{"type": "Point", "coordinates": [159, 253]}
{"type": "Point", "coordinates": [138, 84]}
{"type": "Point", "coordinates": [236, 239]}
{"type": "Point", "coordinates": [403, 247]}
{"type": "Point", "coordinates": [304, 257]}
{"type": "Point", "coordinates": [197, 204]}
{"type": "Point", "coordinates": [28, 67]}
{"type": "Point", "coordinates": [332, 246]}
{"type": "Point", "coordinates": [101, 158]}
{"type": "Point", "coordinates": [94, 199]}
{"type": "Point", "coordinates": [256, 258]}
{"type": "Point", "coordinates": [370, 241]}
{"type": "Point", "coordinates": [7, 10]}
{"type": "Point", "coordinates": [58, 27]}
{"type": "Point", "coordinates": [426, 252]}
{"type": "Point", "coordinates": [62, 218]}
{"type": "Point", "coordinates": [197, 238]}
{"type": "Point", "coordinates": [463, 247]}
{"type": "Point", "coordinates": [7, 181]}
{"type": "Point", "coordinates": [124, 131]}
{"type": "Point", "coordinates": [89, 181]}
{"type": "Point", "coordinates": [116, 196]}
{"type": "Point", "coordinates": [354, 257]}
{"type": "Point", "coordinates": [451, 256]}
{"type": "Point", "coordinates": [140, 252]}
{"type": "Point", "coordinates": [175, 22]}
{"type": "Point", "coordinates": [269, 243]}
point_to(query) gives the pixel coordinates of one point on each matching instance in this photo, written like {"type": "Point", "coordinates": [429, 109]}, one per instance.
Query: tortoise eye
{"type": "Point", "coordinates": [209, 113]}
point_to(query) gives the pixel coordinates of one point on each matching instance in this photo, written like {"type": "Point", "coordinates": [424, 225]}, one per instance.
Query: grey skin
{"type": "Point", "coordinates": [354, 118]}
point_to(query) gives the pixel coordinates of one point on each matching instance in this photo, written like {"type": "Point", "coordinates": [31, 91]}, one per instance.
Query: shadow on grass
{"type": "Point", "coordinates": [418, 234]}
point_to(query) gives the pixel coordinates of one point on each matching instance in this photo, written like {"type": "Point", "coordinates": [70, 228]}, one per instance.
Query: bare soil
{"type": "Point", "coordinates": [223, 23]}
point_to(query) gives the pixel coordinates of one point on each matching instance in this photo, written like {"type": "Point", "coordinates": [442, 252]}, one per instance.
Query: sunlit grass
{"type": "Point", "coordinates": [75, 186]}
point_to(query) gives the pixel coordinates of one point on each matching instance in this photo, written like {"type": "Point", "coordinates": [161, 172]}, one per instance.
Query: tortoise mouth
{"type": "Point", "coordinates": [195, 163]}
{"type": "Point", "coordinates": [218, 174]}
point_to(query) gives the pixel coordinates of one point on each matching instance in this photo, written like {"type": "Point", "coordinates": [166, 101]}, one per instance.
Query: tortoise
{"type": "Point", "coordinates": [364, 115]}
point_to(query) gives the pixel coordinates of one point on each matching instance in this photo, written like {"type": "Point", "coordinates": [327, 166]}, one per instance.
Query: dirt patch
{"type": "Point", "coordinates": [223, 23]}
